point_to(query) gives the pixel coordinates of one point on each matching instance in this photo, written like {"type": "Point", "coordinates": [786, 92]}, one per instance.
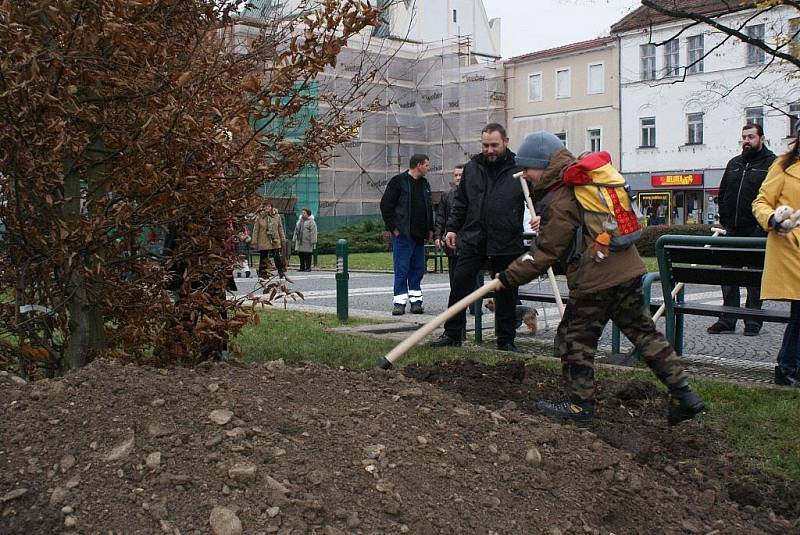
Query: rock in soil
{"type": "Point", "coordinates": [316, 460]}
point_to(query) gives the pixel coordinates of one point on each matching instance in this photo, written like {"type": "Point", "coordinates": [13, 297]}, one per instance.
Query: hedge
{"type": "Point", "coordinates": [366, 237]}
{"type": "Point", "coordinates": [647, 243]}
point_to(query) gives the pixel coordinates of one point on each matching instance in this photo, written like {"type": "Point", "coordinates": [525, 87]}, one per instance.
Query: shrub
{"type": "Point", "coordinates": [365, 237]}
{"type": "Point", "coordinates": [647, 243]}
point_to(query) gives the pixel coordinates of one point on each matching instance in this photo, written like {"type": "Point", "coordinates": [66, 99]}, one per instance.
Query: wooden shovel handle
{"type": "Point", "coordinates": [387, 361]}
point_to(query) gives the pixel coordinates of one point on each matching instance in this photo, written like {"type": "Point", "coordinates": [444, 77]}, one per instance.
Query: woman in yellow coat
{"type": "Point", "coordinates": [781, 279]}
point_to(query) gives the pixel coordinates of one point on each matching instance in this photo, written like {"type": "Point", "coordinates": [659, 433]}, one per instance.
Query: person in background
{"type": "Point", "coordinates": [442, 215]}
{"type": "Point", "coordinates": [269, 239]}
{"type": "Point", "coordinates": [305, 238]}
{"type": "Point", "coordinates": [407, 210]}
{"type": "Point", "coordinates": [738, 188]}
{"type": "Point", "coordinates": [781, 277]}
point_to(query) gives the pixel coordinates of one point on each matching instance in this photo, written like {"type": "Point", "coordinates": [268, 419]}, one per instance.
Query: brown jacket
{"type": "Point", "coordinates": [268, 231]}
{"type": "Point", "coordinates": [560, 223]}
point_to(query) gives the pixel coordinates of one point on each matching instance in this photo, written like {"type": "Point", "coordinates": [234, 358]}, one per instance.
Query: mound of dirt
{"type": "Point", "coordinates": [231, 449]}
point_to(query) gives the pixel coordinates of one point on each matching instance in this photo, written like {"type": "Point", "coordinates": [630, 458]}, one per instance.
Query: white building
{"type": "Point", "coordinates": [685, 95]}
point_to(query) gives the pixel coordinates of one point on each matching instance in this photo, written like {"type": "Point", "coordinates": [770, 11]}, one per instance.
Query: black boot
{"type": "Point", "coordinates": [786, 378]}
{"type": "Point", "coordinates": [445, 340]}
{"type": "Point", "coordinates": [683, 405]}
{"type": "Point", "coordinates": [566, 410]}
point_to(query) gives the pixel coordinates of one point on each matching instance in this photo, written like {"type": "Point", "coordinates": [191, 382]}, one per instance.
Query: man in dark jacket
{"type": "Point", "coordinates": [408, 215]}
{"type": "Point", "coordinates": [737, 190]}
{"type": "Point", "coordinates": [443, 215]}
{"type": "Point", "coordinates": [486, 220]}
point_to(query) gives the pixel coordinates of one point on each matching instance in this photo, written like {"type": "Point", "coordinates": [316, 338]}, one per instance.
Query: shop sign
{"type": "Point", "coordinates": [689, 179]}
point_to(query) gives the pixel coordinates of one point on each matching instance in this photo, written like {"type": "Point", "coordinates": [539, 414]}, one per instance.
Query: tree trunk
{"type": "Point", "coordinates": [84, 302]}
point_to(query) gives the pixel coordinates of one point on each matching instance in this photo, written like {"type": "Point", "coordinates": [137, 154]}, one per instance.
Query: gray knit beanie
{"type": "Point", "coordinates": [537, 149]}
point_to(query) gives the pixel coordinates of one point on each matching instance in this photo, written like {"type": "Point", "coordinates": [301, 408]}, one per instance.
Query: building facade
{"type": "Point", "coordinates": [686, 92]}
{"type": "Point", "coordinates": [439, 82]}
{"type": "Point", "coordinates": [571, 91]}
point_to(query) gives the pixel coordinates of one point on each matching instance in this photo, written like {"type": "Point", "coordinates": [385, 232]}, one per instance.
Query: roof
{"type": "Point", "coordinates": [562, 50]}
{"type": "Point", "coordinates": [644, 17]}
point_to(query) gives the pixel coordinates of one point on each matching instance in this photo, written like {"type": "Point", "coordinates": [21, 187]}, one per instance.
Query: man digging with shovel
{"type": "Point", "coordinates": [591, 226]}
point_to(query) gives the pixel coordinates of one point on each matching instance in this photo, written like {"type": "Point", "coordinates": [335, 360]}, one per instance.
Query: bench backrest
{"type": "Point", "coordinates": [711, 260]}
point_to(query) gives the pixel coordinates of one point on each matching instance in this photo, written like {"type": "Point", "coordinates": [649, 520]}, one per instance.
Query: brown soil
{"type": "Point", "coordinates": [314, 450]}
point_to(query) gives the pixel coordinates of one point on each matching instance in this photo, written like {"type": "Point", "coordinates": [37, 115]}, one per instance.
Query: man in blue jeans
{"type": "Point", "coordinates": [408, 215]}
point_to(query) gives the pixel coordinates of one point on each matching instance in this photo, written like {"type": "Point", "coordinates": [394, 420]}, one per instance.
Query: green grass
{"type": "Point", "coordinates": [297, 337]}
{"type": "Point", "coordinates": [371, 261]}
{"type": "Point", "coordinates": [760, 423]}
{"type": "Point", "coordinates": [651, 263]}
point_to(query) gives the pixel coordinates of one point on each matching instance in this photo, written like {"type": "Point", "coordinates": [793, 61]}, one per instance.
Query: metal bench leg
{"type": "Point", "coordinates": [679, 328]}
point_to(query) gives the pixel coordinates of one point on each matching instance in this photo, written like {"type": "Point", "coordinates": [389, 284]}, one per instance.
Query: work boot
{"type": "Point", "coordinates": [786, 378]}
{"type": "Point", "coordinates": [398, 309]}
{"type": "Point", "coordinates": [416, 308]}
{"type": "Point", "coordinates": [720, 328]}
{"type": "Point", "coordinates": [751, 330]}
{"type": "Point", "coordinates": [566, 410]}
{"type": "Point", "coordinates": [683, 405]}
{"type": "Point", "coordinates": [445, 340]}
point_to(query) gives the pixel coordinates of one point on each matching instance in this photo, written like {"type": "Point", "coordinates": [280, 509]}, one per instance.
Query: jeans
{"type": "Point", "coordinates": [305, 261]}
{"type": "Point", "coordinates": [731, 295]}
{"type": "Point", "coordinates": [789, 354]}
{"type": "Point", "coordinates": [505, 302]}
{"type": "Point", "coordinates": [408, 258]}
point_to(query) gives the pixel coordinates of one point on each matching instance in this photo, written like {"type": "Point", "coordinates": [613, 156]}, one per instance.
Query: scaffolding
{"type": "Point", "coordinates": [432, 99]}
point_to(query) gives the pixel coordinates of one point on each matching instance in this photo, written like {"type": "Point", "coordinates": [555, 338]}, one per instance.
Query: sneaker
{"type": "Point", "coordinates": [509, 347]}
{"type": "Point", "coordinates": [683, 405]}
{"type": "Point", "coordinates": [445, 341]}
{"type": "Point", "coordinates": [566, 410]}
{"type": "Point", "coordinates": [720, 328]}
{"type": "Point", "coordinates": [785, 377]}
{"type": "Point", "coordinates": [751, 331]}
{"type": "Point", "coordinates": [398, 309]}
{"type": "Point", "coordinates": [416, 308]}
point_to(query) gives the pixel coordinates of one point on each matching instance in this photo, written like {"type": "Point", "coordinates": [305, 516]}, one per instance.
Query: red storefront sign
{"type": "Point", "coordinates": [677, 180]}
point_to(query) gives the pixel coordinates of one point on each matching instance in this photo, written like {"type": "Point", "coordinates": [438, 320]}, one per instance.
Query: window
{"type": "Point", "coordinates": [455, 16]}
{"type": "Point", "coordinates": [535, 87]}
{"type": "Point", "coordinates": [648, 55]}
{"type": "Point", "coordinates": [563, 137]}
{"type": "Point", "coordinates": [794, 36]}
{"type": "Point", "coordinates": [596, 79]}
{"type": "Point", "coordinates": [794, 118]}
{"type": "Point", "coordinates": [593, 138]}
{"type": "Point", "coordinates": [755, 55]}
{"type": "Point", "coordinates": [695, 123]}
{"type": "Point", "coordinates": [696, 53]}
{"type": "Point", "coordinates": [754, 115]}
{"type": "Point", "coordinates": [672, 58]}
{"type": "Point", "coordinates": [563, 83]}
{"type": "Point", "coordinates": [648, 131]}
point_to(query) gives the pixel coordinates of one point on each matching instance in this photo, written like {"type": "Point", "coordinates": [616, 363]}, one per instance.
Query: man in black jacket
{"type": "Point", "coordinates": [737, 190]}
{"type": "Point", "coordinates": [443, 215]}
{"type": "Point", "coordinates": [486, 218]}
{"type": "Point", "coordinates": [408, 215]}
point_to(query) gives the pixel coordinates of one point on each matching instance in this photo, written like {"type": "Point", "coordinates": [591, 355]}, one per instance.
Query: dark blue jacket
{"type": "Point", "coordinates": [396, 204]}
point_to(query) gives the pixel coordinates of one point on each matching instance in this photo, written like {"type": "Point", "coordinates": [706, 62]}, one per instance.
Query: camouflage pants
{"type": "Point", "coordinates": [582, 326]}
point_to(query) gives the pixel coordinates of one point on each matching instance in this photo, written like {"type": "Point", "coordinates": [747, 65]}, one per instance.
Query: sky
{"type": "Point", "coordinates": [531, 25]}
